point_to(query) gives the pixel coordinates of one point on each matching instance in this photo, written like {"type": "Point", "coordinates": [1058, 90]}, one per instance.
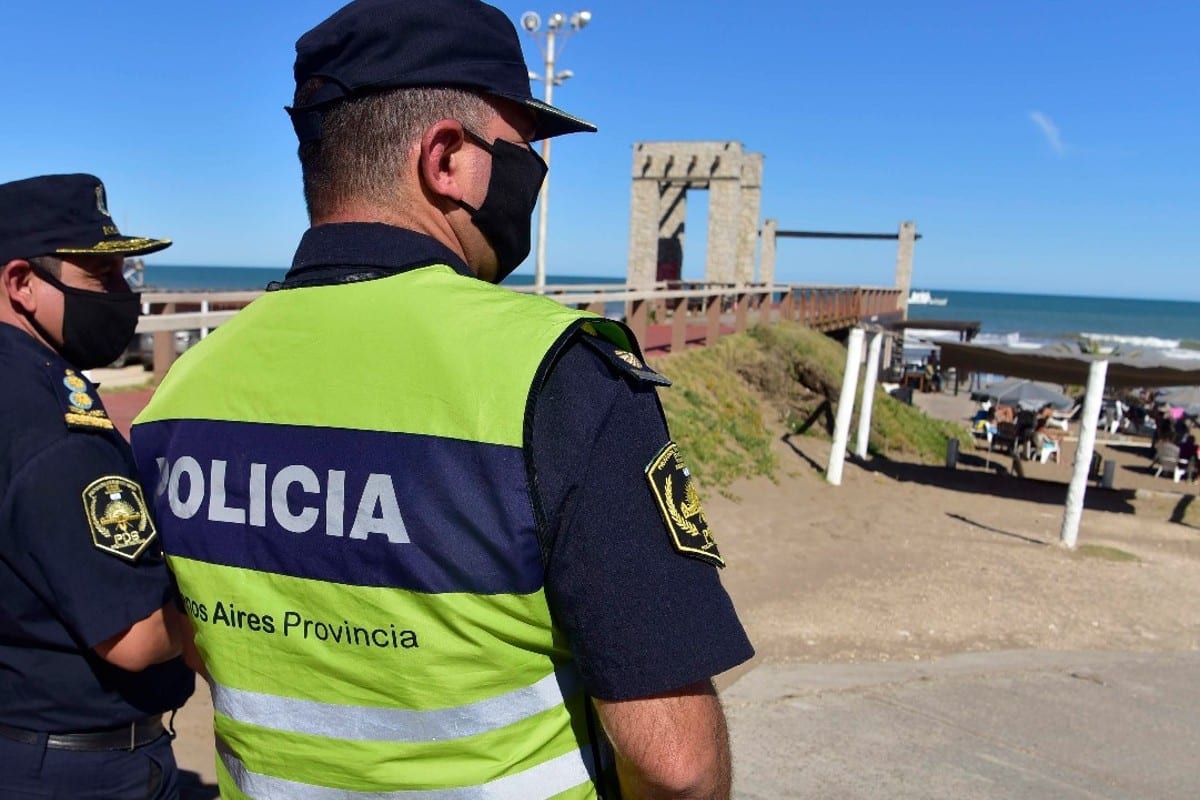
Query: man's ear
{"type": "Point", "coordinates": [440, 162]}
{"type": "Point", "coordinates": [16, 281]}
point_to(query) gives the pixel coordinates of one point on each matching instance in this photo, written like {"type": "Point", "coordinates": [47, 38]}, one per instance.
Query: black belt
{"type": "Point", "coordinates": [129, 736]}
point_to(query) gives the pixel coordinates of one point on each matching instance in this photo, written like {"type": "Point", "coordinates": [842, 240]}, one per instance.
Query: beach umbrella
{"type": "Point", "coordinates": [1027, 394]}
{"type": "Point", "coordinates": [1186, 397]}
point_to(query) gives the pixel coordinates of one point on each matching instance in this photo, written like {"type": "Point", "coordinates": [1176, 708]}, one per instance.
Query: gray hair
{"type": "Point", "coordinates": [365, 141]}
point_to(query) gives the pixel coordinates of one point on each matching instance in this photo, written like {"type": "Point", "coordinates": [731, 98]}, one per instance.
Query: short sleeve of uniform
{"type": "Point", "coordinates": [96, 593]}
{"type": "Point", "coordinates": [641, 618]}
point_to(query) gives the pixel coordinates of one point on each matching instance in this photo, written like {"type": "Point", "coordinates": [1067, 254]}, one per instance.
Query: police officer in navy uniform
{"type": "Point", "coordinates": [89, 632]}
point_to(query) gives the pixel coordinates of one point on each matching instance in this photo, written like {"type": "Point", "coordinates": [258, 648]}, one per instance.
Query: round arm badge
{"type": "Point", "coordinates": [672, 486]}
{"type": "Point", "coordinates": [117, 515]}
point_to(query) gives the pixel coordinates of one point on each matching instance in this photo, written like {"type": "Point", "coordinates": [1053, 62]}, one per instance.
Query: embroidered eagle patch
{"type": "Point", "coordinates": [117, 515]}
{"type": "Point", "coordinates": [672, 486]}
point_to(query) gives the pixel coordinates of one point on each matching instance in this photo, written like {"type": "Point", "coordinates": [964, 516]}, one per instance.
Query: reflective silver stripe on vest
{"type": "Point", "coordinates": [545, 780]}
{"type": "Point", "coordinates": [373, 724]}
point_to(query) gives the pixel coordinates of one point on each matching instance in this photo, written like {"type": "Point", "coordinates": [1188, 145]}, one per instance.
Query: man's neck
{"type": "Point", "coordinates": [435, 227]}
{"type": "Point", "coordinates": [18, 321]}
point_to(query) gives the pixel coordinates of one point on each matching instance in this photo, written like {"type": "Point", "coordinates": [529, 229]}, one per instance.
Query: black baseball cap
{"type": "Point", "coordinates": [63, 215]}
{"type": "Point", "coordinates": [373, 45]}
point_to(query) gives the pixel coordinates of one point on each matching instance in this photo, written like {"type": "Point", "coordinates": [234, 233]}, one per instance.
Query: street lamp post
{"type": "Point", "coordinates": [558, 29]}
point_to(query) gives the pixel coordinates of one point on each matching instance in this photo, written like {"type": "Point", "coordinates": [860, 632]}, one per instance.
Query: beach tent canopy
{"type": "Point", "coordinates": [1187, 397]}
{"type": "Point", "coordinates": [1026, 394]}
{"type": "Point", "coordinates": [1069, 365]}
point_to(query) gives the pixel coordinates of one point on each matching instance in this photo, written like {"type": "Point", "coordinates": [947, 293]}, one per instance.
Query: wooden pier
{"type": "Point", "coordinates": [669, 317]}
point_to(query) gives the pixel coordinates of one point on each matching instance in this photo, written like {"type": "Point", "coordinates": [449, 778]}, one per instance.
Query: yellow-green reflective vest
{"type": "Point", "coordinates": [341, 484]}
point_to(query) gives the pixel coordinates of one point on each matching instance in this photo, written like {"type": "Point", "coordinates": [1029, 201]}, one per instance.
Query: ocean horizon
{"type": "Point", "coordinates": [1004, 317]}
{"type": "Point", "coordinates": [1036, 319]}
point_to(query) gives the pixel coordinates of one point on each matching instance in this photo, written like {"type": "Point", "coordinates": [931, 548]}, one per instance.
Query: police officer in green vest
{"type": "Point", "coordinates": [432, 534]}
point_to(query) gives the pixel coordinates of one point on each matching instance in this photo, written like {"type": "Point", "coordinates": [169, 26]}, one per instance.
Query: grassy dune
{"type": "Point", "coordinates": [725, 396]}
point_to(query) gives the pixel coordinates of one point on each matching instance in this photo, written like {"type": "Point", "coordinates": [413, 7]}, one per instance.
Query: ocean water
{"type": "Point", "coordinates": [169, 278]}
{"type": "Point", "coordinates": [1031, 319]}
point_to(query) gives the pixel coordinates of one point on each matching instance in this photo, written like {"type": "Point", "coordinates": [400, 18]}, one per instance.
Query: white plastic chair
{"type": "Point", "coordinates": [1166, 456]}
{"type": "Point", "coordinates": [1114, 424]}
{"type": "Point", "coordinates": [1062, 419]}
{"type": "Point", "coordinates": [1049, 449]}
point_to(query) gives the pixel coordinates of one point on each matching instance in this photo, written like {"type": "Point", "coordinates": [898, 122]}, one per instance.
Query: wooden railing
{"type": "Point", "coordinates": [668, 316]}
{"type": "Point", "coordinates": [716, 306]}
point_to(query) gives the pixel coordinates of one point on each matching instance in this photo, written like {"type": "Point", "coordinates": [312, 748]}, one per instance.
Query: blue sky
{"type": "Point", "coordinates": [1043, 147]}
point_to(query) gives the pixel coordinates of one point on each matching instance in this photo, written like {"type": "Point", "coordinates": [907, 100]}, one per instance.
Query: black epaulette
{"type": "Point", "coordinates": [81, 405]}
{"type": "Point", "coordinates": [625, 362]}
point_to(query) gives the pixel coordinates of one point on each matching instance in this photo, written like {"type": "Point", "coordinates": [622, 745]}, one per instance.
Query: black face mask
{"type": "Point", "coordinates": [97, 326]}
{"type": "Point", "coordinates": [503, 217]}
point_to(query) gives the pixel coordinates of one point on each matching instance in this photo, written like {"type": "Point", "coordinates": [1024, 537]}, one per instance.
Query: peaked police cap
{"type": "Point", "coordinates": [63, 215]}
{"type": "Point", "coordinates": [374, 45]}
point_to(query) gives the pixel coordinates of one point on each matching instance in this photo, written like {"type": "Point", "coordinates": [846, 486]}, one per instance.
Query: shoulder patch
{"type": "Point", "coordinates": [81, 407]}
{"type": "Point", "coordinates": [118, 518]}
{"type": "Point", "coordinates": [624, 361]}
{"type": "Point", "coordinates": [671, 484]}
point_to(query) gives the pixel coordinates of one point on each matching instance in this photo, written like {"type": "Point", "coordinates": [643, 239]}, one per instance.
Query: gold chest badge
{"type": "Point", "coordinates": [672, 486]}
{"type": "Point", "coordinates": [117, 515]}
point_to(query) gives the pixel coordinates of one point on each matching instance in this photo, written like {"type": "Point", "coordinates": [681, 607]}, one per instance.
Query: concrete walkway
{"type": "Point", "coordinates": [1022, 725]}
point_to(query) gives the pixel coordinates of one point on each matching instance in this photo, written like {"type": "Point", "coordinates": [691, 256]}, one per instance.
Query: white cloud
{"type": "Point", "coordinates": [1049, 130]}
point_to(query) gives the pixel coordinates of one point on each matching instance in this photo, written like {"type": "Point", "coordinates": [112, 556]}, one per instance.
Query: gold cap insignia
{"type": "Point", "coordinates": [117, 515]}
{"type": "Point", "coordinates": [102, 201]}
{"type": "Point", "coordinates": [672, 486]}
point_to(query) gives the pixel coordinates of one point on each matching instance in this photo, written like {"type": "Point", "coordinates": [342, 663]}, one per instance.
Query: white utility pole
{"type": "Point", "coordinates": [558, 23]}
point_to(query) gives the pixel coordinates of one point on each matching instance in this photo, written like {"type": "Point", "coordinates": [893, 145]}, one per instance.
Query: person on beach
{"type": "Point", "coordinates": [89, 631]}
{"type": "Point", "coordinates": [432, 534]}
{"type": "Point", "coordinates": [933, 373]}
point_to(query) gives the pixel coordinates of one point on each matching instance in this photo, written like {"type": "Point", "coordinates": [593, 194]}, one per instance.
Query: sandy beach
{"type": "Point", "coordinates": [906, 562]}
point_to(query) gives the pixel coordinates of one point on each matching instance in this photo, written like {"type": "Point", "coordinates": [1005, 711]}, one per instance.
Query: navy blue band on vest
{"type": "Point", "coordinates": [323, 507]}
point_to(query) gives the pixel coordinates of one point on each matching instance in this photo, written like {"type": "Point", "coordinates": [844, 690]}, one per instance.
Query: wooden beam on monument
{"type": "Point", "coordinates": [833, 235]}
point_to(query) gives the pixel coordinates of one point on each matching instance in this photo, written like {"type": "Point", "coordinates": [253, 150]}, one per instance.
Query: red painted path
{"type": "Point", "coordinates": [124, 404]}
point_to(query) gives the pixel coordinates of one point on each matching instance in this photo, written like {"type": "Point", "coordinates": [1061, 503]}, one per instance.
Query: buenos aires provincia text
{"type": "Point", "coordinates": [294, 625]}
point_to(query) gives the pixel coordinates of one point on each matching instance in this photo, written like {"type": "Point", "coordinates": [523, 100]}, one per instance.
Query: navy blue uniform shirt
{"type": "Point", "coordinates": [60, 593]}
{"type": "Point", "coordinates": [642, 619]}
